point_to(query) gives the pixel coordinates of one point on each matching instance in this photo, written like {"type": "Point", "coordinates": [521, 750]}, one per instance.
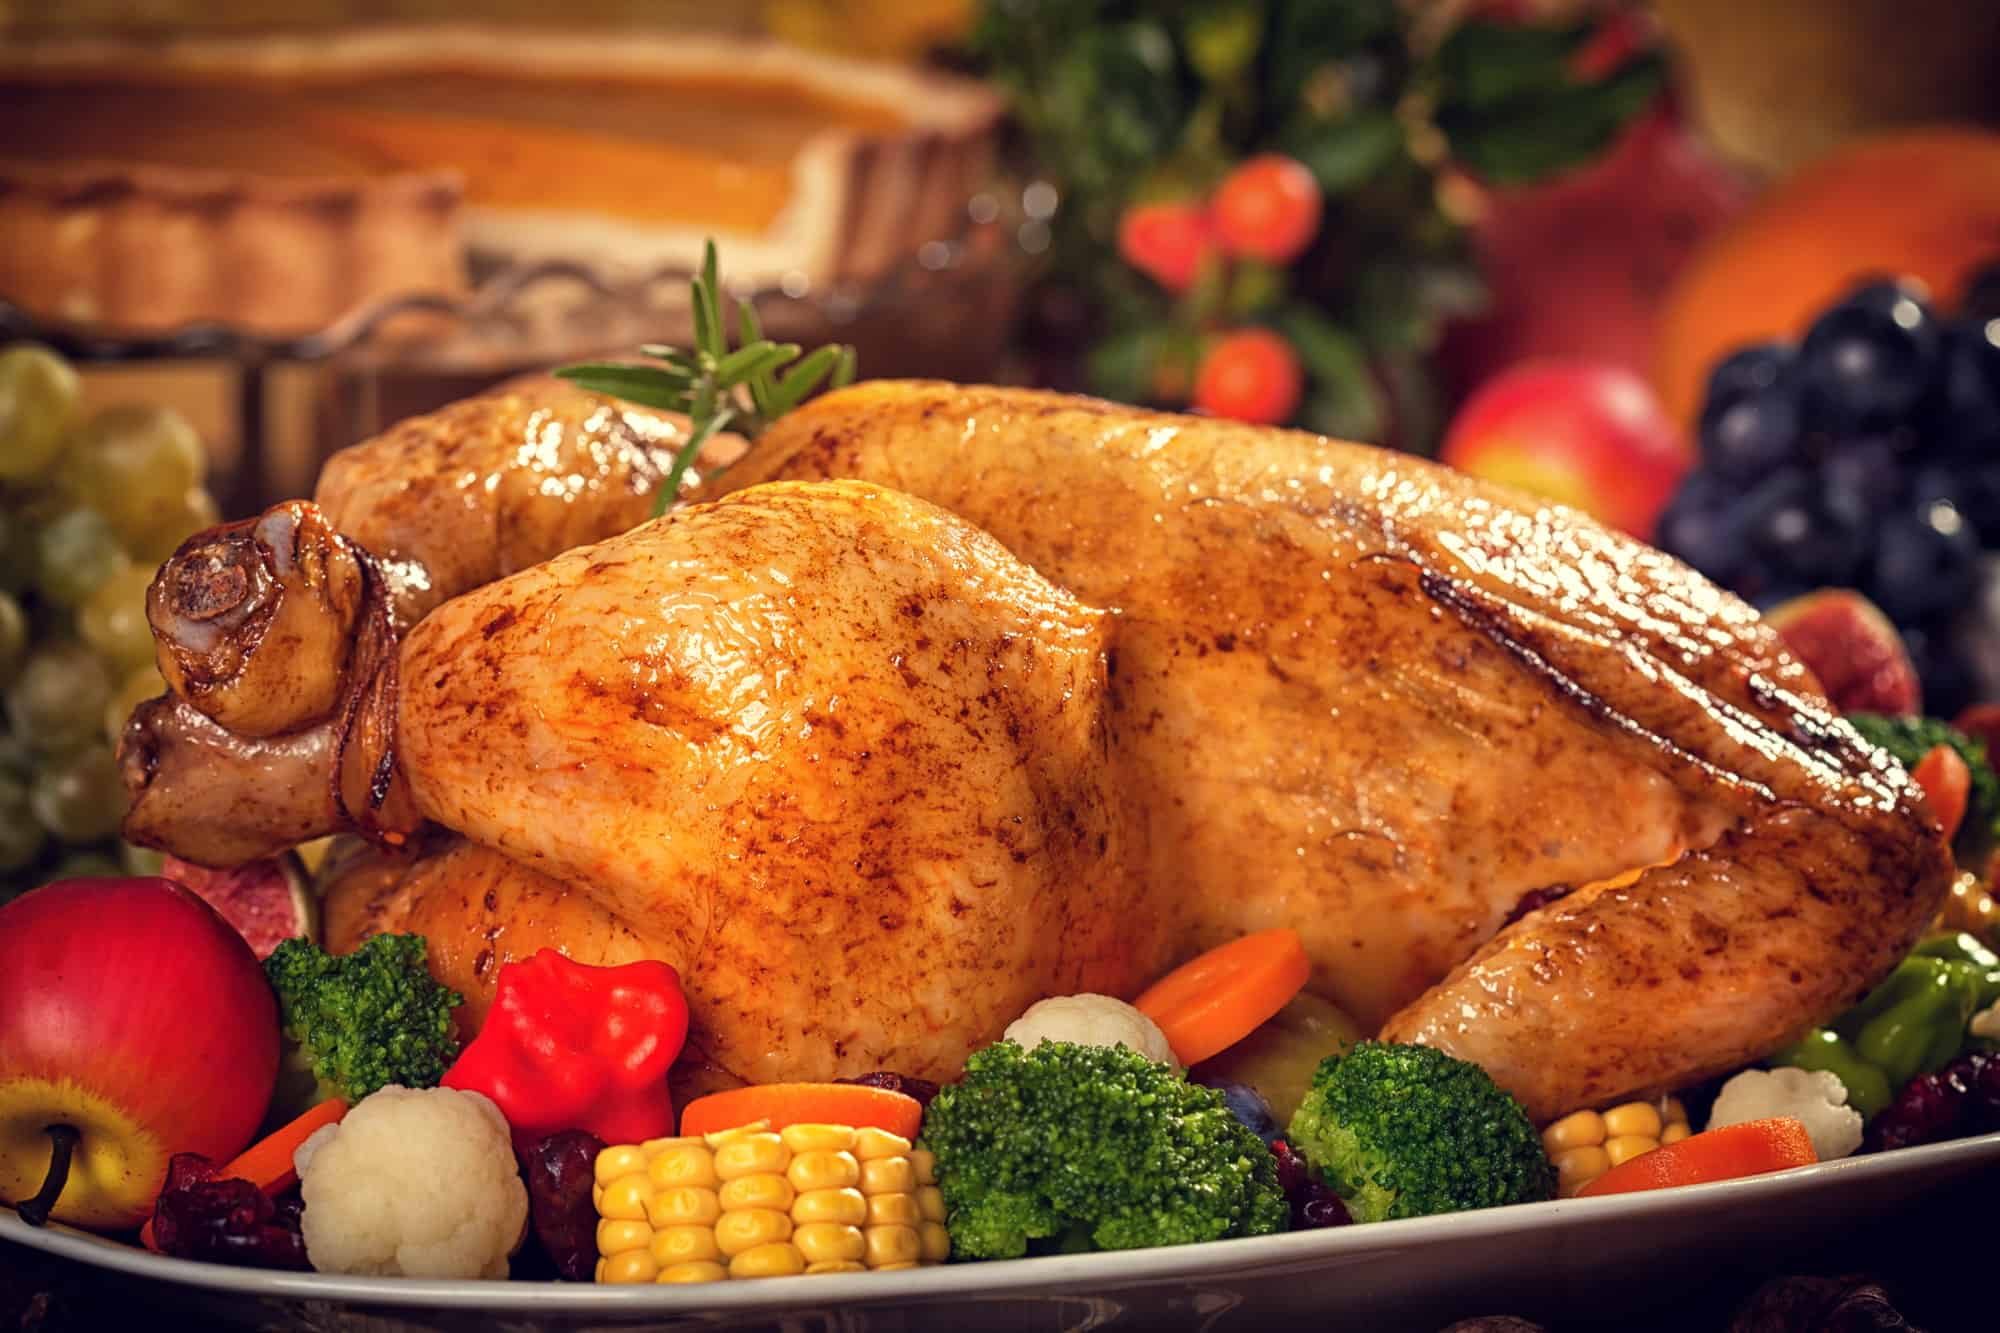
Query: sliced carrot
{"type": "Point", "coordinates": [783, 1104]}
{"type": "Point", "coordinates": [1749, 1149]}
{"type": "Point", "coordinates": [267, 1163]}
{"type": "Point", "coordinates": [1947, 784]}
{"type": "Point", "coordinates": [1212, 1002]}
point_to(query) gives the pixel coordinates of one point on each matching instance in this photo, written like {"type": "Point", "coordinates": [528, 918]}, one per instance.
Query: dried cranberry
{"type": "Point", "coordinates": [223, 1221]}
{"type": "Point", "coordinates": [1313, 1204]}
{"type": "Point", "coordinates": [1324, 1210]}
{"type": "Point", "coordinates": [920, 1088]}
{"type": "Point", "coordinates": [560, 1171]}
{"type": "Point", "coordinates": [1928, 1110]}
{"type": "Point", "coordinates": [1292, 1177]}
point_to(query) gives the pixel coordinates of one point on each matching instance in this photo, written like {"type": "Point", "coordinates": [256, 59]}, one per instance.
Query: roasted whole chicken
{"type": "Point", "coordinates": [945, 699]}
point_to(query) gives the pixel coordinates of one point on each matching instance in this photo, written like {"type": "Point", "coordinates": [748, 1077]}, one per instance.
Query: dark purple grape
{"type": "Point", "coordinates": [223, 1221]}
{"type": "Point", "coordinates": [1868, 475]}
{"type": "Point", "coordinates": [1806, 540]}
{"type": "Point", "coordinates": [1926, 562]}
{"type": "Point", "coordinates": [922, 1089]}
{"type": "Point", "coordinates": [1700, 526]}
{"type": "Point", "coordinates": [1969, 387]}
{"type": "Point", "coordinates": [560, 1171]}
{"type": "Point", "coordinates": [1250, 1108]}
{"type": "Point", "coordinates": [1982, 294]}
{"type": "Point", "coordinates": [1744, 437]}
{"type": "Point", "coordinates": [1749, 370]}
{"type": "Point", "coordinates": [1868, 362]}
{"type": "Point", "coordinates": [1972, 488]}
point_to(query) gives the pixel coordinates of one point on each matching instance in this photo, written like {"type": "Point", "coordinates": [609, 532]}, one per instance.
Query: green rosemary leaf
{"type": "Point", "coordinates": [747, 360]}
{"type": "Point", "coordinates": [645, 385]}
{"type": "Point", "coordinates": [749, 329]}
{"type": "Point", "coordinates": [843, 372]}
{"type": "Point", "coordinates": [670, 489]}
{"type": "Point", "coordinates": [801, 379]}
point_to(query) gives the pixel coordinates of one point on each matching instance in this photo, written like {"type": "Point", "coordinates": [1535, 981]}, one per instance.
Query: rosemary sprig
{"type": "Point", "coordinates": [747, 387]}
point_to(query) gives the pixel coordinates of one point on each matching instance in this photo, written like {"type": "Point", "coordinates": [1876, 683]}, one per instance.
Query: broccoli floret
{"type": "Point", "coordinates": [1406, 1131]}
{"type": "Point", "coordinates": [357, 1022]}
{"type": "Point", "coordinates": [1080, 1146]}
{"type": "Point", "coordinates": [1909, 739]}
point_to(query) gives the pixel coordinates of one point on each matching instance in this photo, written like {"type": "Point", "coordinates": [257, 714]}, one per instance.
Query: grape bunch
{"type": "Point", "coordinates": [1867, 455]}
{"type": "Point", "coordinates": [89, 507]}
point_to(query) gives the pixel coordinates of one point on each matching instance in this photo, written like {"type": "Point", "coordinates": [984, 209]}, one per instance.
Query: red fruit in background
{"type": "Point", "coordinates": [1582, 434]}
{"type": "Point", "coordinates": [268, 900]}
{"type": "Point", "coordinates": [1268, 208]}
{"type": "Point", "coordinates": [1166, 242]}
{"type": "Point", "coordinates": [1846, 641]}
{"type": "Point", "coordinates": [1252, 375]}
{"type": "Point", "coordinates": [1579, 266]}
{"type": "Point", "coordinates": [132, 1013]}
{"type": "Point", "coordinates": [1982, 723]}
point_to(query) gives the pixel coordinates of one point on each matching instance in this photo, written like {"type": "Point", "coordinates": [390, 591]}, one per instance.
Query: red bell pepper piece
{"type": "Point", "coordinates": [571, 1046]}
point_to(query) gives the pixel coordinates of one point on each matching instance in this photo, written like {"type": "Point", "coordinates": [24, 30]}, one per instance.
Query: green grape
{"type": "Point", "coordinates": [75, 554]}
{"type": "Point", "coordinates": [13, 638]}
{"type": "Point", "coordinates": [113, 621]}
{"type": "Point", "coordinates": [24, 513]}
{"type": "Point", "coordinates": [131, 461]}
{"type": "Point", "coordinates": [38, 396]}
{"type": "Point", "coordinates": [171, 524]}
{"type": "Point", "coordinates": [141, 685]}
{"type": "Point", "coordinates": [80, 797]}
{"type": "Point", "coordinates": [135, 860]}
{"type": "Point", "coordinates": [86, 865]}
{"type": "Point", "coordinates": [21, 837]}
{"type": "Point", "coordinates": [57, 702]}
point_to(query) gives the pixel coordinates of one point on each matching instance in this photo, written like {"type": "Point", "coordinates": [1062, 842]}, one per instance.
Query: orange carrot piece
{"type": "Point", "coordinates": [267, 1163]}
{"type": "Point", "coordinates": [1749, 1149]}
{"type": "Point", "coordinates": [1947, 784]}
{"type": "Point", "coordinates": [1212, 1002]}
{"type": "Point", "coordinates": [783, 1104]}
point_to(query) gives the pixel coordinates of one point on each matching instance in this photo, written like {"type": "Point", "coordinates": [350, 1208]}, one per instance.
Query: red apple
{"type": "Point", "coordinates": [1589, 436]}
{"type": "Point", "coordinates": [134, 1015]}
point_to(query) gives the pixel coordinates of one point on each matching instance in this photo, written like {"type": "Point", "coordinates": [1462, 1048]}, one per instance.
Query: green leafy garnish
{"type": "Point", "coordinates": [747, 387]}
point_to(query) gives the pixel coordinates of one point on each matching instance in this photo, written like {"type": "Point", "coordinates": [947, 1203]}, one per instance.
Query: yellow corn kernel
{"type": "Point", "coordinates": [737, 1232]}
{"type": "Point", "coordinates": [924, 1162]}
{"type": "Point", "coordinates": [823, 1242]}
{"type": "Point", "coordinates": [1578, 1167]}
{"type": "Point", "coordinates": [1675, 1131]}
{"type": "Point", "coordinates": [1632, 1120]}
{"type": "Point", "coordinates": [717, 1138]}
{"type": "Point", "coordinates": [935, 1242]}
{"type": "Point", "coordinates": [893, 1210]}
{"type": "Point", "coordinates": [776, 1259]}
{"type": "Point", "coordinates": [870, 1143]}
{"type": "Point", "coordinates": [616, 1237]}
{"type": "Point", "coordinates": [1578, 1129]}
{"type": "Point", "coordinates": [892, 1245]}
{"type": "Point", "coordinates": [930, 1201]}
{"type": "Point", "coordinates": [835, 1266]}
{"type": "Point", "coordinates": [625, 1198]}
{"type": "Point", "coordinates": [631, 1266]}
{"type": "Point", "coordinates": [752, 1155]}
{"type": "Point", "coordinates": [683, 1207]}
{"type": "Point", "coordinates": [684, 1245]}
{"type": "Point", "coordinates": [624, 1159]}
{"type": "Point", "coordinates": [1671, 1110]}
{"type": "Point", "coordinates": [824, 1171]}
{"type": "Point", "coordinates": [849, 1207]}
{"type": "Point", "coordinates": [818, 1138]}
{"type": "Point", "coordinates": [1627, 1146]}
{"type": "Point", "coordinates": [683, 1166]}
{"type": "Point", "coordinates": [773, 1192]}
{"type": "Point", "coordinates": [699, 1271]}
{"type": "Point", "coordinates": [888, 1175]}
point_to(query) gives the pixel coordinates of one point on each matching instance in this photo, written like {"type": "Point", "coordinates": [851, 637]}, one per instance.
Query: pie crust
{"type": "Point", "coordinates": [425, 154]}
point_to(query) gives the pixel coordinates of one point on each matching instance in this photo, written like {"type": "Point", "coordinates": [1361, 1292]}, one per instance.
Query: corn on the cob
{"type": "Point", "coordinates": [749, 1203]}
{"type": "Point", "coordinates": [1583, 1145]}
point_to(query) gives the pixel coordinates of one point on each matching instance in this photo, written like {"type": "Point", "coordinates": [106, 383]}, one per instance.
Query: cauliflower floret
{"type": "Point", "coordinates": [1986, 1023]}
{"type": "Point", "coordinates": [1091, 1020]}
{"type": "Point", "coordinates": [1815, 1097]}
{"type": "Point", "coordinates": [413, 1184]}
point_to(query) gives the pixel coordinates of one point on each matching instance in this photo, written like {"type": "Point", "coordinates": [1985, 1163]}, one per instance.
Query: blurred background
{"type": "Point", "coordinates": [1723, 274]}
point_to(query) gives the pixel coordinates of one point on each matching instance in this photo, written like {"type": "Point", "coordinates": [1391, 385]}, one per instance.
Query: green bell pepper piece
{"type": "Point", "coordinates": [1868, 1088]}
{"type": "Point", "coordinates": [1964, 948]}
{"type": "Point", "coordinates": [1920, 1026]}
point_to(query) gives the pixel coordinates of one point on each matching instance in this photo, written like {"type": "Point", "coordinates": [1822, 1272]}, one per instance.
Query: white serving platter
{"type": "Point", "coordinates": [1629, 1250]}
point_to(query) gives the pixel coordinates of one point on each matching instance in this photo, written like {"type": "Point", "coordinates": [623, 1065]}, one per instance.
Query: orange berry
{"type": "Point", "coordinates": [1252, 375]}
{"type": "Point", "coordinates": [1268, 208]}
{"type": "Point", "coordinates": [1166, 242]}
